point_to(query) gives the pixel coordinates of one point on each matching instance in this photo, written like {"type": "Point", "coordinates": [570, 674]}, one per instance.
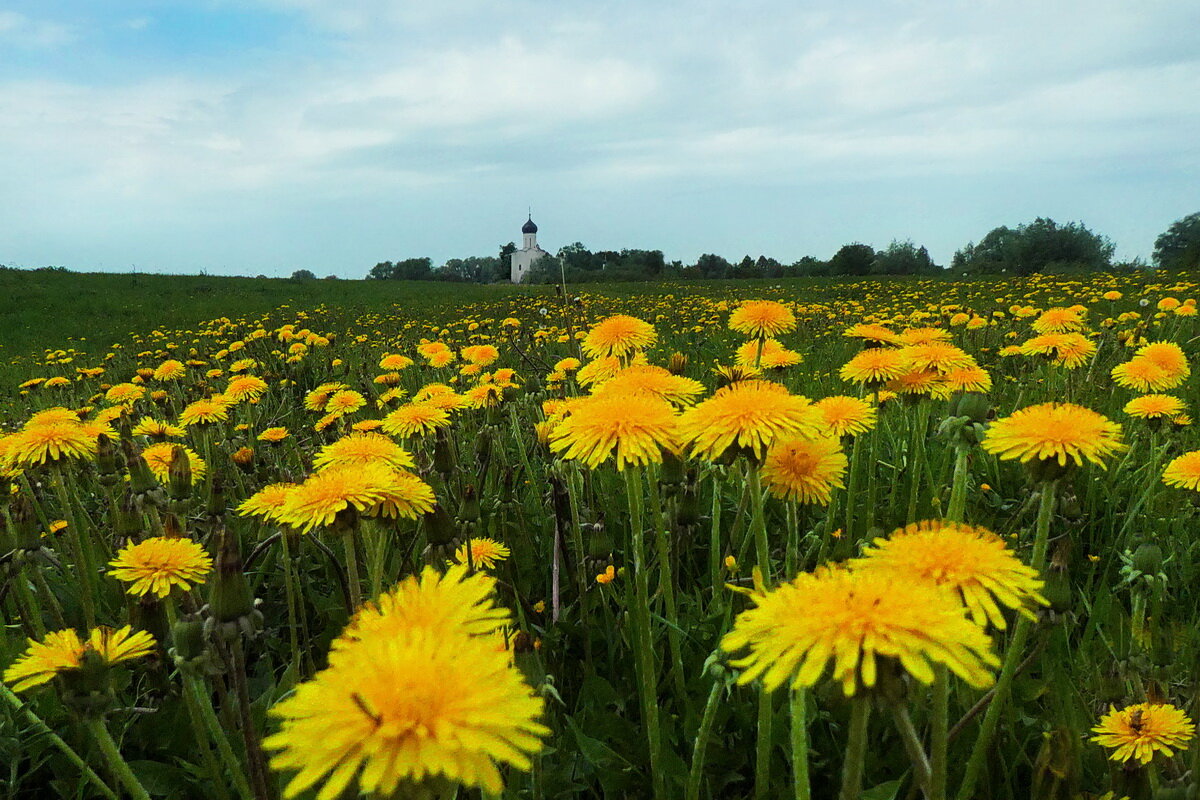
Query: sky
{"type": "Point", "coordinates": [252, 137]}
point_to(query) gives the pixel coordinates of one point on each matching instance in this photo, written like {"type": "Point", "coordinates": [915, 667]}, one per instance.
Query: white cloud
{"type": "Point", "coordinates": [18, 30]}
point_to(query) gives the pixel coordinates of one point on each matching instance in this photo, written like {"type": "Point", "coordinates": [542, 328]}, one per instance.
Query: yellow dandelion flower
{"type": "Point", "coordinates": [170, 370]}
{"type": "Point", "coordinates": [395, 361]}
{"type": "Point", "coordinates": [405, 707]}
{"type": "Point", "coordinates": [852, 619]}
{"type": "Point", "coordinates": [937, 356]}
{"type": "Point", "coordinates": [204, 412]}
{"type": "Point", "coordinates": [363, 448]}
{"type": "Point", "coordinates": [124, 394]}
{"type": "Point", "coordinates": [620, 336]}
{"type": "Point", "coordinates": [652, 380]}
{"type": "Point", "coordinates": [915, 336]}
{"type": "Point", "coordinates": [1183, 472]}
{"type": "Point", "coordinates": [245, 387]}
{"type": "Point", "coordinates": [484, 552]}
{"type": "Point", "coordinates": [634, 429]}
{"type": "Point", "coordinates": [267, 502]}
{"type": "Point", "coordinates": [62, 651]}
{"type": "Point", "coordinates": [51, 442]}
{"type": "Point", "coordinates": [274, 435]}
{"type": "Point", "coordinates": [344, 401]}
{"type": "Point", "coordinates": [774, 355]}
{"type": "Point", "coordinates": [415, 419]}
{"type": "Point", "coordinates": [1059, 432]}
{"type": "Point", "coordinates": [1154, 406]}
{"type": "Point", "coordinates": [750, 415]}
{"type": "Point", "coordinates": [598, 371]}
{"type": "Point", "coordinates": [872, 334]}
{"type": "Point", "coordinates": [846, 416]}
{"type": "Point", "coordinates": [804, 470]}
{"type": "Point", "coordinates": [156, 565]}
{"type": "Point", "coordinates": [762, 319]}
{"type": "Point", "coordinates": [1138, 731]}
{"type": "Point", "coordinates": [317, 501]}
{"type": "Point", "coordinates": [974, 562]}
{"type": "Point", "coordinates": [403, 494]}
{"type": "Point", "coordinates": [1059, 320]}
{"type": "Point", "coordinates": [318, 398]}
{"type": "Point", "coordinates": [158, 429]}
{"type": "Point", "coordinates": [874, 366]}
{"type": "Point", "coordinates": [1167, 356]}
{"type": "Point", "coordinates": [1143, 375]}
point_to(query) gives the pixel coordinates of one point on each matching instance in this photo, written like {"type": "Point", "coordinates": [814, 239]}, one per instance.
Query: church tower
{"type": "Point", "coordinates": [530, 252]}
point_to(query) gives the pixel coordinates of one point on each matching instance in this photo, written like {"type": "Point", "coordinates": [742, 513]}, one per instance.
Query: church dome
{"type": "Point", "coordinates": [529, 227]}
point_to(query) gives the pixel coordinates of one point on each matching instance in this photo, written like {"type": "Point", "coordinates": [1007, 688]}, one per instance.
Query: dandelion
{"type": "Point", "coordinates": [318, 501]}
{"type": "Point", "coordinates": [846, 416]}
{"type": "Point", "coordinates": [1059, 320]}
{"type": "Point", "coordinates": [620, 336]}
{"type": "Point", "coordinates": [318, 398]}
{"type": "Point", "coordinates": [762, 319]}
{"type": "Point", "coordinates": [62, 651]}
{"type": "Point", "coordinates": [874, 366]}
{"type": "Point", "coordinates": [267, 502]}
{"type": "Point", "coordinates": [853, 619]}
{"type": "Point", "coordinates": [344, 401]}
{"type": "Point", "coordinates": [363, 448]}
{"type": "Point", "coordinates": [400, 709]}
{"type": "Point", "coordinates": [651, 380]}
{"type": "Point", "coordinates": [51, 442]}
{"type": "Point", "coordinates": [170, 370]}
{"type": "Point", "coordinates": [124, 394]}
{"type": "Point", "coordinates": [773, 354]}
{"type": "Point", "coordinates": [1138, 731]}
{"type": "Point", "coordinates": [158, 429]}
{"type": "Point", "coordinates": [1184, 472]}
{"type": "Point", "coordinates": [415, 419]}
{"type": "Point", "coordinates": [974, 562]}
{"type": "Point", "coordinates": [484, 552]}
{"type": "Point", "coordinates": [750, 415]}
{"type": "Point", "coordinates": [245, 387]}
{"type": "Point", "coordinates": [1154, 406]}
{"type": "Point", "coordinates": [872, 334]}
{"type": "Point", "coordinates": [633, 429]}
{"type": "Point", "coordinates": [204, 412]}
{"type": "Point", "coordinates": [274, 435]}
{"type": "Point", "coordinates": [156, 565]}
{"type": "Point", "coordinates": [1058, 432]}
{"type": "Point", "coordinates": [804, 470]}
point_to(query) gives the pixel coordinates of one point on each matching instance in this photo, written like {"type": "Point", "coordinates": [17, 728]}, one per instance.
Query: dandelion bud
{"type": "Point", "coordinates": [672, 473]}
{"type": "Point", "coordinates": [230, 600]}
{"type": "Point", "coordinates": [106, 460]}
{"type": "Point", "coordinates": [444, 460]}
{"type": "Point", "coordinates": [86, 690]}
{"type": "Point", "coordinates": [439, 527]}
{"type": "Point", "coordinates": [1148, 558]}
{"type": "Point", "coordinates": [688, 512]}
{"type": "Point", "coordinates": [141, 479]}
{"type": "Point", "coordinates": [677, 364]}
{"type": "Point", "coordinates": [127, 522]}
{"type": "Point", "coordinates": [172, 529]}
{"type": "Point", "coordinates": [179, 480]}
{"type": "Point", "coordinates": [216, 496]}
{"type": "Point", "coordinates": [483, 446]}
{"type": "Point", "coordinates": [244, 459]}
{"type": "Point", "coordinates": [25, 523]}
{"type": "Point", "coordinates": [468, 511]}
{"type": "Point", "coordinates": [149, 615]}
{"type": "Point", "coordinates": [190, 645]}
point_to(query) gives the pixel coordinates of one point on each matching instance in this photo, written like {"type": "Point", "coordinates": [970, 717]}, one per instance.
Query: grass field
{"type": "Point", "coordinates": [674, 530]}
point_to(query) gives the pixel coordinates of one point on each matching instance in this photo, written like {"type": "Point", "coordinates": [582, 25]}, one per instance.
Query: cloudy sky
{"type": "Point", "coordinates": [244, 137]}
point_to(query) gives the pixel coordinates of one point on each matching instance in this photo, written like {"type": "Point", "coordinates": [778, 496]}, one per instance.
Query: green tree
{"type": "Point", "coordinates": [852, 259]}
{"type": "Point", "coordinates": [1036, 246]}
{"type": "Point", "coordinates": [303, 275]}
{"type": "Point", "coordinates": [903, 258]}
{"type": "Point", "coordinates": [1179, 246]}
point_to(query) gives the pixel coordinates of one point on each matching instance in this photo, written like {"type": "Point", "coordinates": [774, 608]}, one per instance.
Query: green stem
{"type": "Point", "coordinates": [79, 549]}
{"type": "Point", "coordinates": [349, 540]}
{"type": "Point", "coordinates": [643, 641]}
{"type": "Point", "coordinates": [800, 744]}
{"type": "Point", "coordinates": [667, 581]}
{"type": "Point", "coordinates": [1012, 657]}
{"type": "Point", "coordinates": [872, 481]}
{"type": "Point", "coordinates": [916, 452]}
{"type": "Point", "coordinates": [958, 487]}
{"type": "Point", "coordinates": [44, 730]}
{"type": "Point", "coordinates": [939, 734]}
{"type": "Point", "coordinates": [696, 773]}
{"type": "Point", "coordinates": [762, 744]}
{"type": "Point", "coordinates": [211, 765]}
{"type": "Point", "coordinates": [116, 762]}
{"type": "Point", "coordinates": [856, 748]}
{"type": "Point", "coordinates": [852, 486]}
{"type": "Point", "coordinates": [714, 542]}
{"type": "Point", "coordinates": [290, 590]}
{"type": "Point", "coordinates": [201, 702]}
{"type": "Point", "coordinates": [912, 745]}
{"type": "Point", "coordinates": [32, 608]}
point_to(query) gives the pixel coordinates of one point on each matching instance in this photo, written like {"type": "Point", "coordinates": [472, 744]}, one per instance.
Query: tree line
{"type": "Point", "coordinates": [1039, 246]}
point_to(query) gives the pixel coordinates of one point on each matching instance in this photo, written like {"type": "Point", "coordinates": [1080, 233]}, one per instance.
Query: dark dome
{"type": "Point", "coordinates": [529, 227]}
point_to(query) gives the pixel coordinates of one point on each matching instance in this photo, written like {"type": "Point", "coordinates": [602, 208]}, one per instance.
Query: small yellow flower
{"type": "Point", "coordinates": [156, 565]}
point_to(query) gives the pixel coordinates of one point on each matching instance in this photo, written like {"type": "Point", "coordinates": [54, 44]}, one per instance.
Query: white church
{"type": "Point", "coordinates": [524, 258]}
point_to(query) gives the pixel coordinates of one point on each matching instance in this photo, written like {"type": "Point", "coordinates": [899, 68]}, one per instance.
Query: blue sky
{"type": "Point", "coordinates": [244, 137]}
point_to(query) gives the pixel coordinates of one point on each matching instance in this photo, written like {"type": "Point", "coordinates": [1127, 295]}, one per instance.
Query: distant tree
{"type": "Point", "coordinates": [903, 258]}
{"type": "Point", "coordinates": [384, 270]}
{"type": "Point", "coordinates": [576, 257]}
{"type": "Point", "coordinates": [852, 259]}
{"type": "Point", "coordinates": [303, 275]}
{"type": "Point", "coordinates": [473, 269]}
{"type": "Point", "coordinates": [331, 277]}
{"type": "Point", "coordinates": [1179, 246]}
{"type": "Point", "coordinates": [506, 252]}
{"type": "Point", "coordinates": [807, 267]}
{"type": "Point", "coordinates": [712, 266]}
{"type": "Point", "coordinates": [1034, 247]}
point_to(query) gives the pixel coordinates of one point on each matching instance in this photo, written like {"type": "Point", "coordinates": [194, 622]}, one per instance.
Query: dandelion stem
{"type": "Point", "coordinates": [79, 549]}
{"type": "Point", "coordinates": [939, 733]}
{"type": "Point", "coordinates": [696, 773]}
{"type": "Point", "coordinates": [640, 615]}
{"type": "Point", "coordinates": [958, 486]}
{"type": "Point", "coordinates": [349, 540]}
{"type": "Point", "coordinates": [762, 746]}
{"type": "Point", "coordinates": [668, 589]}
{"type": "Point", "coordinates": [799, 708]}
{"type": "Point", "coordinates": [200, 702]}
{"type": "Point", "coordinates": [116, 762]}
{"type": "Point", "coordinates": [44, 730]}
{"type": "Point", "coordinates": [1012, 657]}
{"type": "Point", "coordinates": [856, 748]}
{"type": "Point", "coordinates": [852, 487]}
{"type": "Point", "coordinates": [912, 745]}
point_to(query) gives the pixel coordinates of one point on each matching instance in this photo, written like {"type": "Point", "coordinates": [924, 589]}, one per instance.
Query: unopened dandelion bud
{"type": "Point", "coordinates": [230, 598]}
{"type": "Point", "coordinates": [1047, 470]}
{"type": "Point", "coordinates": [468, 511]}
{"type": "Point", "coordinates": [439, 527]}
{"type": "Point", "coordinates": [87, 690]}
{"type": "Point", "coordinates": [141, 479]}
{"type": "Point", "coordinates": [672, 473]}
{"type": "Point", "coordinates": [1148, 558]}
{"type": "Point", "coordinates": [179, 474]}
{"type": "Point", "coordinates": [216, 496]}
{"type": "Point", "coordinates": [149, 614]}
{"type": "Point", "coordinates": [127, 522]}
{"type": "Point", "coordinates": [27, 532]}
{"type": "Point", "coordinates": [483, 445]}
{"type": "Point", "coordinates": [444, 460]}
{"type": "Point", "coordinates": [172, 528]}
{"type": "Point", "coordinates": [106, 461]}
{"type": "Point", "coordinates": [688, 512]}
{"type": "Point", "coordinates": [677, 364]}
{"type": "Point", "coordinates": [244, 459]}
{"type": "Point", "coordinates": [972, 405]}
{"type": "Point", "coordinates": [190, 643]}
